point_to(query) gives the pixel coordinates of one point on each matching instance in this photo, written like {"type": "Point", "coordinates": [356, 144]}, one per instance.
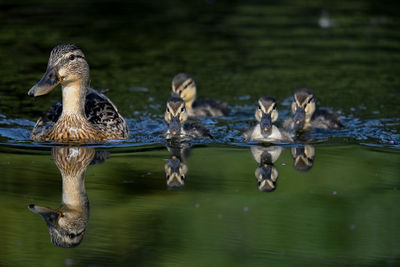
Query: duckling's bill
{"type": "Point", "coordinates": [48, 82]}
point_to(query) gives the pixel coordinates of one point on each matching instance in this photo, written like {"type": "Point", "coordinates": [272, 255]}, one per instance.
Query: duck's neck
{"type": "Point", "coordinates": [74, 96]}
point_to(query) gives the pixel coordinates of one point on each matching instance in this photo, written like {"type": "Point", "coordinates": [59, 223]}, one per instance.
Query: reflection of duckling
{"type": "Point", "coordinates": [67, 224]}
{"type": "Point", "coordinates": [175, 167]}
{"type": "Point", "coordinates": [306, 116]}
{"type": "Point", "coordinates": [303, 157]}
{"type": "Point", "coordinates": [183, 84]}
{"type": "Point", "coordinates": [179, 127]}
{"type": "Point", "coordinates": [266, 173]}
{"type": "Point", "coordinates": [265, 131]}
{"type": "Point", "coordinates": [85, 115]}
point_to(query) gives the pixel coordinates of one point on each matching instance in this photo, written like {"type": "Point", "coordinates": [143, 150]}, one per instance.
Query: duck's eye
{"type": "Point", "coordinates": [182, 109]}
{"type": "Point", "coordinates": [71, 235]}
{"type": "Point", "coordinates": [168, 110]}
{"type": "Point", "coordinates": [309, 101]}
{"type": "Point", "coordinates": [71, 57]}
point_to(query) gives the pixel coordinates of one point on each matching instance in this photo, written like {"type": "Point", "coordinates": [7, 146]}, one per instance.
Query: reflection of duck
{"type": "Point", "coordinates": [306, 116]}
{"type": "Point", "coordinates": [179, 127]}
{"type": "Point", "coordinates": [303, 157]}
{"type": "Point", "coordinates": [183, 84]}
{"type": "Point", "coordinates": [67, 224]}
{"type": "Point", "coordinates": [266, 174]}
{"type": "Point", "coordinates": [175, 167]}
{"type": "Point", "coordinates": [265, 131]}
{"type": "Point", "coordinates": [85, 115]}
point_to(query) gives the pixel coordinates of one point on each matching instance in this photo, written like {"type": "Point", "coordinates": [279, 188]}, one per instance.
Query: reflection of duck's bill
{"type": "Point", "coordinates": [48, 82]}
{"type": "Point", "coordinates": [50, 216]}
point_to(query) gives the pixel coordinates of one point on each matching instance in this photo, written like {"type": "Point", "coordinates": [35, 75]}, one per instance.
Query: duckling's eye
{"type": "Point", "coordinates": [274, 107]}
{"type": "Point", "coordinates": [259, 107]}
{"type": "Point", "coordinates": [309, 101]}
{"type": "Point", "coordinates": [71, 235]}
{"type": "Point", "coordinates": [71, 57]}
{"type": "Point", "coordinates": [182, 109]}
{"type": "Point", "coordinates": [168, 110]}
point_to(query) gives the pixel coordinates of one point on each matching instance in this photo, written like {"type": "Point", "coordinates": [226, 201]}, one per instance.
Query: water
{"type": "Point", "coordinates": [331, 201]}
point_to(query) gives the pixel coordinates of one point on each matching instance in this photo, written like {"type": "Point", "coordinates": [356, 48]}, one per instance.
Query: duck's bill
{"type": "Point", "coordinates": [50, 216]}
{"type": "Point", "coordinates": [266, 122]}
{"type": "Point", "coordinates": [48, 82]}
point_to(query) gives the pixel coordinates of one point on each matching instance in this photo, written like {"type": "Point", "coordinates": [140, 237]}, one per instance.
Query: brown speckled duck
{"type": "Point", "coordinates": [85, 115]}
{"type": "Point", "coordinates": [184, 85]}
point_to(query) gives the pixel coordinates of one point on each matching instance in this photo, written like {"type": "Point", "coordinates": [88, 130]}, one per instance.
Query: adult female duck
{"type": "Point", "coordinates": [85, 115]}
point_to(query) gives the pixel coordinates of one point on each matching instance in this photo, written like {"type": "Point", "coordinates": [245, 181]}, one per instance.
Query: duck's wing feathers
{"type": "Point", "coordinates": [326, 119]}
{"type": "Point", "coordinates": [196, 130]}
{"type": "Point", "coordinates": [46, 121]}
{"type": "Point", "coordinates": [210, 107]}
{"type": "Point", "coordinates": [100, 111]}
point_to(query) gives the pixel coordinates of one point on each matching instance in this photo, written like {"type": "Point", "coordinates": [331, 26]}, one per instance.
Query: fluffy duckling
{"type": "Point", "coordinates": [67, 224]}
{"type": "Point", "coordinates": [85, 115]}
{"type": "Point", "coordinates": [306, 116]}
{"type": "Point", "coordinates": [183, 84]}
{"type": "Point", "coordinates": [303, 157]}
{"type": "Point", "coordinates": [266, 173]}
{"type": "Point", "coordinates": [178, 126]}
{"type": "Point", "coordinates": [265, 131]}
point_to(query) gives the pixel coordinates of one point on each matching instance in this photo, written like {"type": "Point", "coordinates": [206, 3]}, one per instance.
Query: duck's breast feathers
{"type": "Point", "coordinates": [210, 107]}
{"type": "Point", "coordinates": [100, 111]}
{"type": "Point", "coordinates": [326, 119]}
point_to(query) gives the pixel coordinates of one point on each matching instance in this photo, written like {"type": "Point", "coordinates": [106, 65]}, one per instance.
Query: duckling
{"type": "Point", "coordinates": [176, 116]}
{"type": "Point", "coordinates": [306, 116]}
{"type": "Point", "coordinates": [183, 84]}
{"type": "Point", "coordinates": [266, 173]}
{"type": "Point", "coordinates": [175, 167]}
{"type": "Point", "coordinates": [85, 115]}
{"type": "Point", "coordinates": [265, 131]}
{"type": "Point", "coordinates": [303, 157]}
{"type": "Point", "coordinates": [67, 224]}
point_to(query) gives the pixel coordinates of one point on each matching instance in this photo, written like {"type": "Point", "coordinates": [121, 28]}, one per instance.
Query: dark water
{"type": "Point", "coordinates": [335, 199]}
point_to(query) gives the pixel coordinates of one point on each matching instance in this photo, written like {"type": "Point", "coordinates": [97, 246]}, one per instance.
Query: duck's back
{"type": "Point", "coordinates": [325, 119]}
{"type": "Point", "coordinates": [99, 111]}
{"type": "Point", "coordinates": [209, 108]}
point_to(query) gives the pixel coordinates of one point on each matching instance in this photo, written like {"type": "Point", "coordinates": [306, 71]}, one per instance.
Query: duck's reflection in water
{"type": "Point", "coordinates": [175, 167]}
{"type": "Point", "coordinates": [303, 157]}
{"type": "Point", "coordinates": [266, 173]}
{"type": "Point", "coordinates": [67, 224]}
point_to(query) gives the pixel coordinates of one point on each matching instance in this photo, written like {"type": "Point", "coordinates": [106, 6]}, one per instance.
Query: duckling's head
{"type": "Point", "coordinates": [65, 228]}
{"type": "Point", "coordinates": [183, 84]}
{"type": "Point", "coordinates": [266, 175]}
{"type": "Point", "coordinates": [67, 65]}
{"type": "Point", "coordinates": [303, 107]}
{"type": "Point", "coordinates": [266, 113]}
{"type": "Point", "coordinates": [175, 115]}
{"type": "Point", "coordinates": [303, 157]}
{"type": "Point", "coordinates": [175, 172]}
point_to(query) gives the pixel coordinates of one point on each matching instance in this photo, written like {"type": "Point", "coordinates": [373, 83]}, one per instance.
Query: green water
{"type": "Point", "coordinates": [342, 211]}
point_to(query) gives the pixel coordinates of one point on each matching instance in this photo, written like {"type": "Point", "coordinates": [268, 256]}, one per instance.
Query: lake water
{"type": "Point", "coordinates": [335, 196]}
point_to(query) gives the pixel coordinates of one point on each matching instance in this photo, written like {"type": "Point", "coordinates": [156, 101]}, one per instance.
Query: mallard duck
{"type": "Point", "coordinates": [183, 84]}
{"type": "Point", "coordinates": [85, 115]}
{"type": "Point", "coordinates": [306, 116]}
{"type": "Point", "coordinates": [303, 157]}
{"type": "Point", "coordinates": [178, 125]}
{"type": "Point", "coordinates": [266, 173]}
{"type": "Point", "coordinates": [67, 224]}
{"type": "Point", "coordinates": [265, 131]}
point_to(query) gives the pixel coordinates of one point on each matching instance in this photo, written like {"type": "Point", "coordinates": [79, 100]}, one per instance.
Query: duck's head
{"type": "Point", "coordinates": [175, 172]}
{"type": "Point", "coordinates": [183, 84]}
{"type": "Point", "coordinates": [266, 175]}
{"type": "Point", "coordinates": [67, 65]}
{"type": "Point", "coordinates": [175, 115]}
{"type": "Point", "coordinates": [66, 229]}
{"type": "Point", "coordinates": [303, 107]}
{"type": "Point", "coordinates": [266, 113]}
{"type": "Point", "coordinates": [303, 157]}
